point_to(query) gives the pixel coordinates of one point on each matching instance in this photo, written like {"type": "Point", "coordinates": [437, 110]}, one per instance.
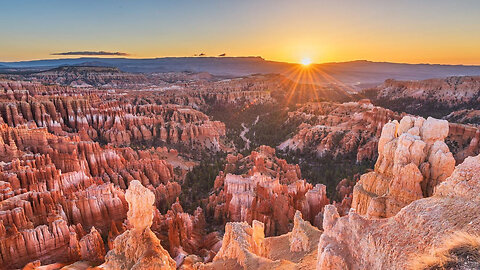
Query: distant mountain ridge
{"type": "Point", "coordinates": [84, 68]}
{"type": "Point", "coordinates": [87, 76]}
{"type": "Point", "coordinates": [353, 73]}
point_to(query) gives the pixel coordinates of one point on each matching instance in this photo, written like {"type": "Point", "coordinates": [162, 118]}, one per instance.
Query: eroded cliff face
{"type": "Point", "coordinates": [138, 247]}
{"type": "Point", "coordinates": [120, 119]}
{"type": "Point", "coordinates": [118, 125]}
{"type": "Point", "coordinates": [265, 188]}
{"type": "Point", "coordinates": [412, 159]}
{"type": "Point", "coordinates": [450, 91]}
{"type": "Point", "coordinates": [414, 201]}
{"type": "Point", "coordinates": [20, 90]}
{"type": "Point", "coordinates": [351, 131]}
{"type": "Point", "coordinates": [421, 227]}
{"type": "Point", "coordinates": [340, 130]}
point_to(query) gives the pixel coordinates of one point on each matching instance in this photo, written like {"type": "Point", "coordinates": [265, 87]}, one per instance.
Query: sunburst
{"type": "Point", "coordinates": [306, 61]}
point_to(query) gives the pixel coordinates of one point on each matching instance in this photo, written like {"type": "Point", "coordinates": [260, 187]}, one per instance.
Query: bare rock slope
{"type": "Point", "coordinates": [423, 224]}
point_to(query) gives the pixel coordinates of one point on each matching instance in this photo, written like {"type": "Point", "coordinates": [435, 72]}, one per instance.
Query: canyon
{"type": "Point", "coordinates": [98, 167]}
{"type": "Point", "coordinates": [351, 131]}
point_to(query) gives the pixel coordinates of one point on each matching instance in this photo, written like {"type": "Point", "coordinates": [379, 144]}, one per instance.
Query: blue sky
{"type": "Point", "coordinates": [401, 31]}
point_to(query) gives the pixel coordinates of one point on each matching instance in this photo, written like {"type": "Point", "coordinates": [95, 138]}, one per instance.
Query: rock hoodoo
{"type": "Point", "coordinates": [298, 238]}
{"type": "Point", "coordinates": [412, 159]}
{"type": "Point", "coordinates": [138, 247]}
{"type": "Point", "coordinates": [422, 226]}
{"type": "Point", "coordinates": [72, 145]}
{"type": "Point", "coordinates": [242, 242]}
{"type": "Point", "coordinates": [246, 247]}
{"type": "Point", "coordinates": [265, 188]}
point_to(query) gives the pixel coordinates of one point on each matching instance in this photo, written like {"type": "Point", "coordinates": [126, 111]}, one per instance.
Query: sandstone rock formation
{"type": "Point", "coordinates": [138, 247]}
{"type": "Point", "coordinates": [417, 96]}
{"type": "Point", "coordinates": [92, 248]}
{"type": "Point", "coordinates": [57, 242]}
{"type": "Point", "coordinates": [247, 247]}
{"type": "Point", "coordinates": [413, 160]}
{"type": "Point", "coordinates": [104, 118]}
{"type": "Point", "coordinates": [242, 242]}
{"type": "Point", "coordinates": [350, 131]}
{"type": "Point", "coordinates": [340, 130]}
{"type": "Point", "coordinates": [67, 155]}
{"type": "Point", "coordinates": [186, 234]}
{"type": "Point", "coordinates": [267, 189]}
{"type": "Point", "coordinates": [422, 226]}
{"type": "Point", "coordinates": [298, 238]}
{"type": "Point", "coordinates": [463, 140]}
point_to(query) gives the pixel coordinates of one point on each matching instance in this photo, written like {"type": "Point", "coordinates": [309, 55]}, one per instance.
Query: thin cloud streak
{"type": "Point", "coordinates": [92, 53]}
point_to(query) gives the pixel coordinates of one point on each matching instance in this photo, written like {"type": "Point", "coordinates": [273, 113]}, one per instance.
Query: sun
{"type": "Point", "coordinates": [306, 61]}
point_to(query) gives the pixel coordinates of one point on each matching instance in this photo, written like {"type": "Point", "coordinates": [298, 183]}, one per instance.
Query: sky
{"type": "Point", "coordinates": [428, 31]}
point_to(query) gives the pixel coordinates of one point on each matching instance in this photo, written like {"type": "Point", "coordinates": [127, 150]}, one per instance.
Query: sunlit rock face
{"type": "Point", "coordinates": [267, 189]}
{"type": "Point", "coordinates": [241, 241]}
{"type": "Point", "coordinates": [420, 227]}
{"type": "Point", "coordinates": [413, 160]}
{"type": "Point", "coordinates": [414, 163]}
{"type": "Point", "coordinates": [246, 247]}
{"type": "Point", "coordinates": [138, 247]}
{"type": "Point", "coordinates": [298, 238]}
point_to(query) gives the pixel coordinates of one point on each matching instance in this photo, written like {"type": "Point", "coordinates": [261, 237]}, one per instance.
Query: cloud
{"type": "Point", "coordinates": [92, 53]}
{"type": "Point", "coordinates": [223, 54]}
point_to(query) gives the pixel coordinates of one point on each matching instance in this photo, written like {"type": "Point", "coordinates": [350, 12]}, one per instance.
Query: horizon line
{"type": "Point", "coordinates": [251, 56]}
